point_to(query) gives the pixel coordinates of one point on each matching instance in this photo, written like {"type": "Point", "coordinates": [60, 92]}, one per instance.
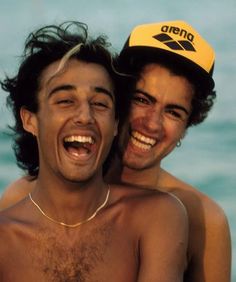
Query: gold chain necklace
{"type": "Point", "coordinates": [78, 223]}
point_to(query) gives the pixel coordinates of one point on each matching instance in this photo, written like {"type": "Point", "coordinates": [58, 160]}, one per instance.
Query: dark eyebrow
{"type": "Point", "coordinates": [69, 87]}
{"type": "Point", "coordinates": [153, 100]}
{"type": "Point", "coordinates": [62, 87]}
{"type": "Point", "coordinates": [105, 91]}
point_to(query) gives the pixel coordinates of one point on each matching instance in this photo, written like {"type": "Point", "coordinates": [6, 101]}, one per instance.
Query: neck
{"type": "Point", "coordinates": [69, 203]}
{"type": "Point", "coordinates": [148, 178]}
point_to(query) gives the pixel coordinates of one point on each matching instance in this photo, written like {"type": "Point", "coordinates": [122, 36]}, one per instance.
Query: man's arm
{"type": "Point", "coordinates": [217, 253]}
{"type": "Point", "coordinates": [16, 191]}
{"type": "Point", "coordinates": [163, 245]}
{"type": "Point", "coordinates": [210, 244]}
{"type": "Point", "coordinates": [209, 237]}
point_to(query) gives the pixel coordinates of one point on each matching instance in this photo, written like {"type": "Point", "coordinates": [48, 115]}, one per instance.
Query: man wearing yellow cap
{"type": "Point", "coordinates": [173, 90]}
{"type": "Point", "coordinates": [173, 67]}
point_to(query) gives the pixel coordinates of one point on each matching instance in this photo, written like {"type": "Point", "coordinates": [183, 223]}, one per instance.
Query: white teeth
{"type": "Point", "coordinates": [140, 145]}
{"type": "Point", "coordinates": [144, 139]}
{"type": "Point", "coordinates": [81, 139]}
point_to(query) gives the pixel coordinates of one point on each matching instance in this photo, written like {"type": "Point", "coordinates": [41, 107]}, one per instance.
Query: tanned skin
{"type": "Point", "coordinates": [140, 234]}
{"type": "Point", "coordinates": [119, 240]}
{"type": "Point", "coordinates": [209, 247]}
{"type": "Point", "coordinates": [159, 113]}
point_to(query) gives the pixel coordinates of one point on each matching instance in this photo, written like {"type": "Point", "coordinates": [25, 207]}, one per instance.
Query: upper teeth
{"type": "Point", "coordinates": [144, 139]}
{"type": "Point", "coordinates": [81, 139]}
{"type": "Point", "coordinates": [139, 144]}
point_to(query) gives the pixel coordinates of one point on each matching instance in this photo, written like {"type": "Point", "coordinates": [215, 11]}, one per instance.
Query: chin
{"type": "Point", "coordinates": [77, 178]}
{"type": "Point", "coordinates": [133, 165]}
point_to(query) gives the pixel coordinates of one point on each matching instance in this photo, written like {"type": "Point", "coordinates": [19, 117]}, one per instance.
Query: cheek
{"type": "Point", "coordinates": [136, 111]}
{"type": "Point", "coordinates": [174, 131]}
{"type": "Point", "coordinates": [49, 126]}
{"type": "Point", "coordinates": [137, 116]}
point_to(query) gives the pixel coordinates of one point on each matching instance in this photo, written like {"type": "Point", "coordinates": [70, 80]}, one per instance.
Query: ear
{"type": "Point", "coordinates": [116, 127]}
{"type": "Point", "coordinates": [29, 121]}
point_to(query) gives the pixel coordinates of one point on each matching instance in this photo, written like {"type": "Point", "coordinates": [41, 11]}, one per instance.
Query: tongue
{"type": "Point", "coordinates": [77, 148]}
{"type": "Point", "coordinates": [78, 151]}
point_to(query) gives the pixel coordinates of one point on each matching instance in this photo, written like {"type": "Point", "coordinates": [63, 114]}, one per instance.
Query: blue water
{"type": "Point", "coordinates": [207, 157]}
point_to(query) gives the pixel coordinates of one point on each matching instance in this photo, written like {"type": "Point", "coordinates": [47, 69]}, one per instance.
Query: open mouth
{"type": "Point", "coordinates": [78, 145]}
{"type": "Point", "coordinates": [141, 141]}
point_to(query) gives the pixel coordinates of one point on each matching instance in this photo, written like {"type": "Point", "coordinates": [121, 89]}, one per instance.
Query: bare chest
{"type": "Point", "coordinates": [92, 254]}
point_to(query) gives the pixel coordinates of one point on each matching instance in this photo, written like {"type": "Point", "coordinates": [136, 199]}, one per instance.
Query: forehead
{"type": "Point", "coordinates": [155, 78]}
{"type": "Point", "coordinates": [76, 71]}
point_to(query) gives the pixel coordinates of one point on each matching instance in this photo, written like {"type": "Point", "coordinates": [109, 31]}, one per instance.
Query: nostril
{"type": "Point", "coordinates": [83, 116]}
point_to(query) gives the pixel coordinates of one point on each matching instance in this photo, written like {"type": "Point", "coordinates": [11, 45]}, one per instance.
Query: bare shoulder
{"type": "Point", "coordinates": [15, 218]}
{"type": "Point", "coordinates": [16, 191]}
{"type": "Point", "coordinates": [137, 194]}
{"type": "Point", "coordinates": [14, 213]}
{"type": "Point", "coordinates": [5, 235]}
{"type": "Point", "coordinates": [159, 222]}
{"type": "Point", "coordinates": [191, 197]}
{"type": "Point", "coordinates": [13, 227]}
{"type": "Point", "coordinates": [152, 203]}
{"type": "Point", "coordinates": [7, 219]}
{"type": "Point", "coordinates": [209, 232]}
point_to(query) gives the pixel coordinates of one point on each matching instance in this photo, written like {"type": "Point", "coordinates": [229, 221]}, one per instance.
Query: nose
{"type": "Point", "coordinates": [83, 114]}
{"type": "Point", "coordinates": [154, 119]}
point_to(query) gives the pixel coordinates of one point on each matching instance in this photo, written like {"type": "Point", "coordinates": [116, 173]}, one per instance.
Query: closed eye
{"type": "Point", "coordinates": [64, 101]}
{"type": "Point", "coordinates": [99, 105]}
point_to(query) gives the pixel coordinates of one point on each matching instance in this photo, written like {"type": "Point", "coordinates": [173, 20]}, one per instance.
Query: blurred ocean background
{"type": "Point", "coordinates": [207, 157]}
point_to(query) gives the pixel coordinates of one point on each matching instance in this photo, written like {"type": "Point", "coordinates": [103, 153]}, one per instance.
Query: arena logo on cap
{"type": "Point", "coordinates": [176, 30]}
{"type": "Point", "coordinates": [176, 44]}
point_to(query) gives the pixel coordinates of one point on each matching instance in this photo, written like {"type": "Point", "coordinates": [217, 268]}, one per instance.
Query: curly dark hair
{"type": "Point", "coordinates": [43, 47]}
{"type": "Point", "coordinates": [204, 95]}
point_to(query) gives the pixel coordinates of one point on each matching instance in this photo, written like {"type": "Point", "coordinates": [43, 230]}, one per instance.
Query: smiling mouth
{"type": "Point", "coordinates": [78, 145]}
{"type": "Point", "coordinates": [141, 141]}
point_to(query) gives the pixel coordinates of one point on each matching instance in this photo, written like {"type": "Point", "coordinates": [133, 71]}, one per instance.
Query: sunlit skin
{"type": "Point", "coordinates": [160, 110]}
{"type": "Point", "coordinates": [74, 104]}
{"type": "Point", "coordinates": [75, 126]}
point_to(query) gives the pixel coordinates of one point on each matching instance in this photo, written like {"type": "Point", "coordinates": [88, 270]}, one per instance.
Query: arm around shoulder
{"type": "Point", "coordinates": [217, 258]}
{"type": "Point", "coordinates": [163, 244]}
